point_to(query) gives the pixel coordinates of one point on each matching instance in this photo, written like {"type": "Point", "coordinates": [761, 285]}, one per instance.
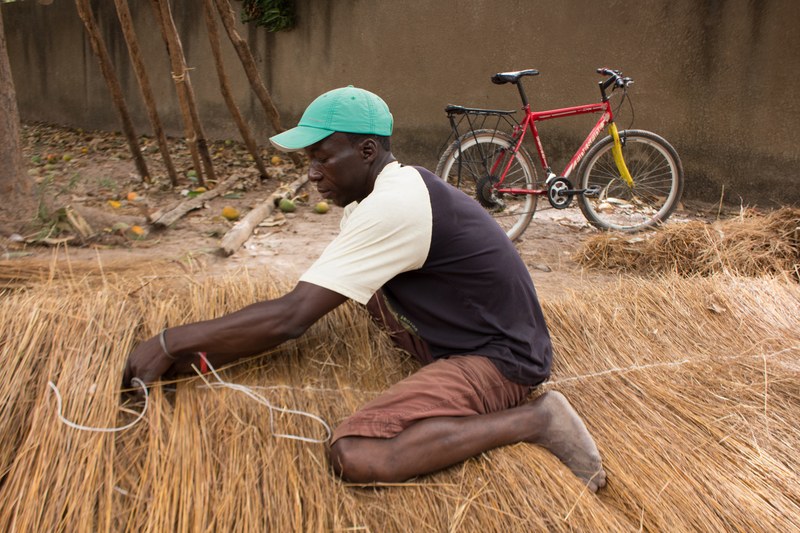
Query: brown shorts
{"type": "Point", "coordinates": [460, 385]}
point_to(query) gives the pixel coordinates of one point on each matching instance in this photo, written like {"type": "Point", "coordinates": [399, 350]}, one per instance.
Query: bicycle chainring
{"type": "Point", "coordinates": [560, 193]}
{"type": "Point", "coordinates": [486, 194]}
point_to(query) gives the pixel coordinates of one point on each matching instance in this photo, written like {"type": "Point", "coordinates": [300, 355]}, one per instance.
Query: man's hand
{"type": "Point", "coordinates": [246, 332]}
{"type": "Point", "coordinates": [147, 362]}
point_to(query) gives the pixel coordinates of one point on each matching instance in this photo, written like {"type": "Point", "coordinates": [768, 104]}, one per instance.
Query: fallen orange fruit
{"type": "Point", "coordinates": [230, 213]}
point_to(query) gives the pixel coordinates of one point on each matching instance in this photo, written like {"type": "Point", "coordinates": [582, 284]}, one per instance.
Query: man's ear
{"type": "Point", "coordinates": [369, 149]}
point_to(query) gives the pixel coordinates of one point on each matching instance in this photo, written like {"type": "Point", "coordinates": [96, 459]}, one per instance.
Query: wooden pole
{"type": "Point", "coordinates": [124, 14]}
{"type": "Point", "coordinates": [180, 74]}
{"type": "Point", "coordinates": [99, 49]}
{"type": "Point", "coordinates": [243, 50]}
{"type": "Point", "coordinates": [213, 38]}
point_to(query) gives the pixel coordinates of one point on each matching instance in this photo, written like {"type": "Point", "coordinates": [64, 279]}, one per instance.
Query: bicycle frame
{"type": "Point", "coordinates": [529, 124]}
{"type": "Point", "coordinates": [490, 163]}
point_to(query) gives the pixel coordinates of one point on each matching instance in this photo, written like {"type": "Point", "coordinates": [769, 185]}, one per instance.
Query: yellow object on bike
{"type": "Point", "coordinates": [616, 150]}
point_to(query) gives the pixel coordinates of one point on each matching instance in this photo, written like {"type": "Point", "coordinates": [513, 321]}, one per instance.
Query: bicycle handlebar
{"type": "Point", "coordinates": [615, 77]}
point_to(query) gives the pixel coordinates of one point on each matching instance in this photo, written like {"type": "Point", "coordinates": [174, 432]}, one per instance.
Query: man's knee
{"type": "Point", "coordinates": [357, 460]}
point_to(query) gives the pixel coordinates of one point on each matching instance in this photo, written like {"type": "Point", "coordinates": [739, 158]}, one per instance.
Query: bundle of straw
{"type": "Point", "coordinates": [690, 386]}
{"type": "Point", "coordinates": [751, 244]}
{"type": "Point", "coordinates": [18, 274]}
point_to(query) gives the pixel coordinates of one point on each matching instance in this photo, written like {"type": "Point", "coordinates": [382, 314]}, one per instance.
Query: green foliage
{"type": "Point", "coordinates": [274, 15]}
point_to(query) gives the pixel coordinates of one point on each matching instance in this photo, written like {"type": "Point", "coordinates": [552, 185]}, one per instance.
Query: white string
{"type": "Point", "coordinates": [666, 364]}
{"type": "Point", "coordinates": [250, 393]}
{"type": "Point", "coordinates": [96, 429]}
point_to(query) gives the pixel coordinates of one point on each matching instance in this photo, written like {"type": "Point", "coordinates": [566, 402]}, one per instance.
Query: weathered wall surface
{"type": "Point", "coordinates": [715, 77]}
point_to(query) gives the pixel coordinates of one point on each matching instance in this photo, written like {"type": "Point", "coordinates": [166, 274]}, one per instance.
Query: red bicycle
{"type": "Point", "coordinates": [627, 181]}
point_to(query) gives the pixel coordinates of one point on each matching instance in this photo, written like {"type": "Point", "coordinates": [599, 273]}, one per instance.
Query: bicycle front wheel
{"type": "Point", "coordinates": [657, 175]}
{"type": "Point", "coordinates": [476, 166]}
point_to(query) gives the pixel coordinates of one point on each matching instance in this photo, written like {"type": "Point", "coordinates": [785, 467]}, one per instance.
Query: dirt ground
{"type": "Point", "coordinates": [92, 172]}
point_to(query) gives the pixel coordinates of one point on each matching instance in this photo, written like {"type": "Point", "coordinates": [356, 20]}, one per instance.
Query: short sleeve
{"type": "Point", "coordinates": [388, 233]}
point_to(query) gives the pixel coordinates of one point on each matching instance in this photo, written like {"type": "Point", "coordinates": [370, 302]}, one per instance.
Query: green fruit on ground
{"type": "Point", "coordinates": [286, 205]}
{"type": "Point", "coordinates": [321, 208]}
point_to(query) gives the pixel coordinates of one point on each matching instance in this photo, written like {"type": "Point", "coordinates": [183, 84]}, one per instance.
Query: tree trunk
{"type": "Point", "coordinates": [124, 14]}
{"type": "Point", "coordinates": [180, 73]}
{"type": "Point", "coordinates": [99, 48]}
{"type": "Point", "coordinates": [243, 50]}
{"type": "Point", "coordinates": [213, 38]}
{"type": "Point", "coordinates": [15, 186]}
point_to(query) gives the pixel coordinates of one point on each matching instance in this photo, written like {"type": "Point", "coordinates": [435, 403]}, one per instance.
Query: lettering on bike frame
{"type": "Point", "coordinates": [529, 123]}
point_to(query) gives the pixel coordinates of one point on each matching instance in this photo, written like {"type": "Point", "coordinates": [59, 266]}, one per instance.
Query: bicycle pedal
{"type": "Point", "coordinates": [593, 191]}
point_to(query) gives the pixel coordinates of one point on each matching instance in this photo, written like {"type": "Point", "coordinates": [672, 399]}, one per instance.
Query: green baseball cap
{"type": "Point", "coordinates": [348, 109]}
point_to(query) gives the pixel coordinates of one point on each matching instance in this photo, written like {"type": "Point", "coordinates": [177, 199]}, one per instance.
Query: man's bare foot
{"type": "Point", "coordinates": [562, 432]}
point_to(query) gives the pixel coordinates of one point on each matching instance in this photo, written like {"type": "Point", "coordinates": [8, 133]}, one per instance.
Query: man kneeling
{"type": "Point", "coordinates": [440, 275]}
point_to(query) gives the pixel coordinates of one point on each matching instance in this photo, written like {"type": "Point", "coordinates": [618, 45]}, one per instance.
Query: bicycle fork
{"type": "Point", "coordinates": [616, 151]}
{"type": "Point", "coordinates": [560, 191]}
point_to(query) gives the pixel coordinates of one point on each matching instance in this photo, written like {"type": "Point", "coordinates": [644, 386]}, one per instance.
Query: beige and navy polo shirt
{"type": "Point", "coordinates": [445, 266]}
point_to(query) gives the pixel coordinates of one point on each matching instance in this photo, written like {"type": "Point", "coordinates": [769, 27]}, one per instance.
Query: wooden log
{"type": "Point", "coordinates": [195, 136]}
{"type": "Point", "coordinates": [224, 86]}
{"type": "Point", "coordinates": [107, 68]}
{"type": "Point", "coordinates": [238, 234]}
{"type": "Point", "coordinates": [124, 15]}
{"type": "Point", "coordinates": [165, 219]}
{"type": "Point", "coordinates": [245, 55]}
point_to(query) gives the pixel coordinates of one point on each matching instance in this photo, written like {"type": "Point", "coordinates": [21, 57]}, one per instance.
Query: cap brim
{"type": "Point", "coordinates": [298, 138]}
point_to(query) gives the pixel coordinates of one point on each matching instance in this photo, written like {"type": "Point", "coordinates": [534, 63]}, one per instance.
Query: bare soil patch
{"type": "Point", "coordinates": [92, 172]}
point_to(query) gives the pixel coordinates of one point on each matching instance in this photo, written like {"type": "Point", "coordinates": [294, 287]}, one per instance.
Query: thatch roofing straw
{"type": "Point", "coordinates": [691, 388]}
{"type": "Point", "coordinates": [751, 244]}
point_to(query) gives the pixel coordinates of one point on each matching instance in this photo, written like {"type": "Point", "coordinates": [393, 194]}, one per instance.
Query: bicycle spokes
{"type": "Point", "coordinates": [649, 199]}
{"type": "Point", "coordinates": [474, 167]}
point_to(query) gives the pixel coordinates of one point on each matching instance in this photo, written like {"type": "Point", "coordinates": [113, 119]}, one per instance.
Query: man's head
{"type": "Point", "coordinates": [347, 110]}
{"type": "Point", "coordinates": [346, 135]}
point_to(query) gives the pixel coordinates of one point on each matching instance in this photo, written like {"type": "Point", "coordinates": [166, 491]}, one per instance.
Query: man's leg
{"type": "Point", "coordinates": [431, 443]}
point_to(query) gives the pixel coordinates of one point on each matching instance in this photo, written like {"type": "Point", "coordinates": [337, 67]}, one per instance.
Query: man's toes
{"type": "Point", "coordinates": [597, 481]}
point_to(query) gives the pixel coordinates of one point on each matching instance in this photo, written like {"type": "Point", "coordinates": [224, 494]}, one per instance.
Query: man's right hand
{"type": "Point", "coordinates": [246, 332]}
{"type": "Point", "coordinates": [147, 362]}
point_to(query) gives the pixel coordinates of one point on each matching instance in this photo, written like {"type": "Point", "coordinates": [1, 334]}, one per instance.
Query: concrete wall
{"type": "Point", "coordinates": [715, 77]}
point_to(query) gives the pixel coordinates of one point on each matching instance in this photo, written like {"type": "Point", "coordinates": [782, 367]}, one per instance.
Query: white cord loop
{"type": "Point", "coordinates": [250, 393]}
{"type": "Point", "coordinates": [135, 381]}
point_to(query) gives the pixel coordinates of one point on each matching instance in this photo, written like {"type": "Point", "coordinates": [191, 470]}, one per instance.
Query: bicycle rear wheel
{"type": "Point", "coordinates": [657, 182]}
{"type": "Point", "coordinates": [476, 167]}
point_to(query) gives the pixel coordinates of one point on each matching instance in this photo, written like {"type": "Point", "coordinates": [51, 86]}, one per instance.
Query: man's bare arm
{"type": "Point", "coordinates": [249, 331]}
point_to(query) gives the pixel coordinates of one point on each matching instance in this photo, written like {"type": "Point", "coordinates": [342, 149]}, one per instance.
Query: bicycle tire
{"type": "Point", "coordinates": [658, 183]}
{"type": "Point", "coordinates": [479, 153]}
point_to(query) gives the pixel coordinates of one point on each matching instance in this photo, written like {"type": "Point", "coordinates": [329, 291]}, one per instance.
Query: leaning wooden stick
{"type": "Point", "coordinates": [239, 233]}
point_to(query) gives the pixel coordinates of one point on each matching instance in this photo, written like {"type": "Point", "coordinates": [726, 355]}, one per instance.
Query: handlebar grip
{"type": "Point", "coordinates": [609, 72]}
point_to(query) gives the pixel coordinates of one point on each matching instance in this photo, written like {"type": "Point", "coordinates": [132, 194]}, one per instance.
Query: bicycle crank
{"type": "Point", "coordinates": [560, 192]}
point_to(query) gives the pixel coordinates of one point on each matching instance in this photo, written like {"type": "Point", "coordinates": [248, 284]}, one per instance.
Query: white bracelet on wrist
{"type": "Point", "coordinates": [163, 342]}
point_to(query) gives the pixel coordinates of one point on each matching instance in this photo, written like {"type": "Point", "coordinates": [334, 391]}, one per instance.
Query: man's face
{"type": "Point", "coordinates": [339, 169]}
